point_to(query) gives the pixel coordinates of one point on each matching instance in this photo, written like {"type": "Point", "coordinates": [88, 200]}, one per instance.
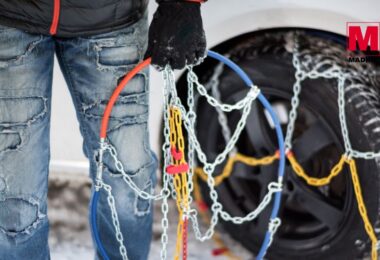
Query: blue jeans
{"type": "Point", "coordinates": [92, 67]}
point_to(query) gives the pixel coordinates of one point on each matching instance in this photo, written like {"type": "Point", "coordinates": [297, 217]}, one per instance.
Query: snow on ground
{"type": "Point", "coordinates": [70, 236]}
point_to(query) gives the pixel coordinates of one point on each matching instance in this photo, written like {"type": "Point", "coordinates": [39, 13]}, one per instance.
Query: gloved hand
{"type": "Point", "coordinates": [176, 35]}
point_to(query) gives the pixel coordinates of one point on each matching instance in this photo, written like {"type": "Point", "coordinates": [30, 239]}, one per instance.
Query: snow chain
{"type": "Point", "coordinates": [178, 177]}
{"type": "Point", "coordinates": [180, 182]}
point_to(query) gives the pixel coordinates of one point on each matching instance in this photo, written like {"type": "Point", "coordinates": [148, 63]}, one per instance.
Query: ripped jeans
{"type": "Point", "coordinates": [92, 67]}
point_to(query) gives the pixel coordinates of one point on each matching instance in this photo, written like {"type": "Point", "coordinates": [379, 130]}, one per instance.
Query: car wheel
{"type": "Point", "coordinates": [317, 222]}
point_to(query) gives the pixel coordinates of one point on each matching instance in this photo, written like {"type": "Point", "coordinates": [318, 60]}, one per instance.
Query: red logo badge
{"type": "Point", "coordinates": [363, 36]}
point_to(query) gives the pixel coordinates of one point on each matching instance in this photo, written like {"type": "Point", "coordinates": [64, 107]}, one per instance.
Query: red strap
{"type": "Point", "coordinates": [219, 251]}
{"type": "Point", "coordinates": [175, 169]}
{"type": "Point", "coordinates": [176, 154]}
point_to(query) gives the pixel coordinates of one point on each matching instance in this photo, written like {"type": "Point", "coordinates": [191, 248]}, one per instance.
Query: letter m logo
{"type": "Point", "coordinates": [363, 35]}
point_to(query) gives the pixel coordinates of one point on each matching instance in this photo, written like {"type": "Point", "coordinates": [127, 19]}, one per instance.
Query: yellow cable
{"type": "Point", "coordinates": [358, 193]}
{"type": "Point", "coordinates": [297, 168]}
{"type": "Point", "coordinates": [228, 168]}
{"type": "Point", "coordinates": [180, 179]}
{"type": "Point", "coordinates": [362, 208]}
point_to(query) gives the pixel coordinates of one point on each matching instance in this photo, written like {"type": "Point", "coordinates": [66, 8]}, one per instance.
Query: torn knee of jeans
{"type": "Point", "coordinates": [139, 84]}
{"type": "Point", "coordinates": [114, 57]}
{"type": "Point", "coordinates": [126, 108]}
{"type": "Point", "coordinates": [110, 169]}
{"type": "Point", "coordinates": [10, 140]}
{"type": "Point", "coordinates": [118, 52]}
{"type": "Point", "coordinates": [142, 206]}
{"type": "Point", "coordinates": [22, 111]}
{"type": "Point", "coordinates": [131, 144]}
{"type": "Point", "coordinates": [19, 215]}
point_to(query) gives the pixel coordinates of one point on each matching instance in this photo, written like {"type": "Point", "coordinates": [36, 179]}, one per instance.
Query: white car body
{"type": "Point", "coordinates": [223, 20]}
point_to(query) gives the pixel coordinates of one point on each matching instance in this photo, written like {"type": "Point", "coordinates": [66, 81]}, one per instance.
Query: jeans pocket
{"type": "Point", "coordinates": [16, 45]}
{"type": "Point", "coordinates": [122, 48]}
{"type": "Point", "coordinates": [117, 55]}
{"type": "Point", "coordinates": [4, 28]}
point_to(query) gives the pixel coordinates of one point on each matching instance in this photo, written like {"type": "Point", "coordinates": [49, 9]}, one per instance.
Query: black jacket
{"type": "Point", "coordinates": [69, 18]}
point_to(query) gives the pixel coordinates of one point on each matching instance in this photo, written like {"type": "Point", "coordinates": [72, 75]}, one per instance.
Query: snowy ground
{"type": "Point", "coordinates": [70, 237]}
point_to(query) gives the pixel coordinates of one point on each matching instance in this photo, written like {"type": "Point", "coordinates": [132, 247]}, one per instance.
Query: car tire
{"type": "Point", "coordinates": [267, 58]}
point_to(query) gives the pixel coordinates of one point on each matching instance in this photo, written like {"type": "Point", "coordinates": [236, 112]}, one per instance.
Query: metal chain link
{"type": "Point", "coordinates": [115, 220]}
{"type": "Point", "coordinates": [295, 101]}
{"type": "Point", "coordinates": [213, 84]}
{"type": "Point", "coordinates": [214, 102]}
{"type": "Point", "coordinates": [190, 147]}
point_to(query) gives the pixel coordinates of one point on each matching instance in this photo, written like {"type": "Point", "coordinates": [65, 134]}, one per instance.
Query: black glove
{"type": "Point", "coordinates": [176, 35]}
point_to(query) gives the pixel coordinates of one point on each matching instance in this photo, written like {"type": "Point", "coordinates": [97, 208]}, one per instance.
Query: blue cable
{"type": "Point", "coordinates": [232, 65]}
{"type": "Point", "coordinates": [94, 226]}
{"type": "Point", "coordinates": [280, 138]}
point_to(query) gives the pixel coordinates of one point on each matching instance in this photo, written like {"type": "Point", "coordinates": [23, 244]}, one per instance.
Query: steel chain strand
{"type": "Point", "coordinates": [214, 102]}
{"type": "Point", "coordinates": [222, 118]}
{"type": "Point", "coordinates": [365, 155]}
{"type": "Point", "coordinates": [213, 85]}
{"type": "Point", "coordinates": [274, 224]}
{"type": "Point", "coordinates": [342, 116]}
{"type": "Point", "coordinates": [299, 76]}
{"type": "Point", "coordinates": [168, 76]}
{"type": "Point", "coordinates": [115, 221]}
{"type": "Point", "coordinates": [166, 180]}
{"type": "Point", "coordinates": [190, 148]}
{"type": "Point", "coordinates": [273, 187]}
{"type": "Point", "coordinates": [205, 218]}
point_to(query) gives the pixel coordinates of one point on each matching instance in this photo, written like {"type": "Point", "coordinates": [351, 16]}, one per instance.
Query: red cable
{"type": "Point", "coordinates": [116, 93]}
{"type": "Point", "coordinates": [184, 239]}
{"type": "Point", "coordinates": [56, 11]}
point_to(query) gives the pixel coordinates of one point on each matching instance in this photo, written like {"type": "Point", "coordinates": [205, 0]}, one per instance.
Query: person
{"type": "Point", "coordinates": [96, 43]}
